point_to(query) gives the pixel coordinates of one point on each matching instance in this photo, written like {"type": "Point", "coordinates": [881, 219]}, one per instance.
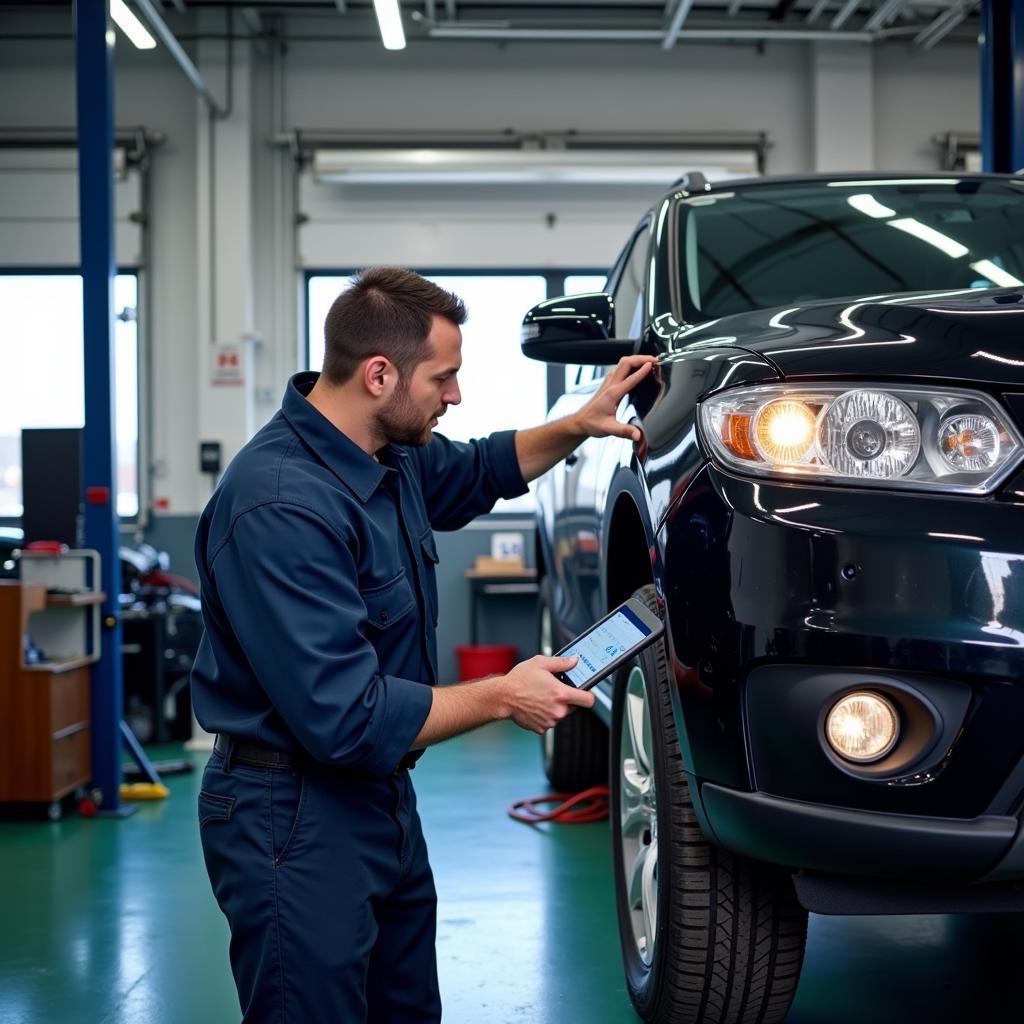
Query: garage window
{"type": "Point", "coordinates": [501, 388]}
{"type": "Point", "coordinates": [41, 344]}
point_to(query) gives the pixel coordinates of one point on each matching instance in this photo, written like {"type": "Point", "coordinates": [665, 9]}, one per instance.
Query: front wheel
{"type": "Point", "coordinates": [708, 937]}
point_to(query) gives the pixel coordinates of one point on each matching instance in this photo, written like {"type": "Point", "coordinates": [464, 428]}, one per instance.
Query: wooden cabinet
{"type": "Point", "coordinates": [44, 708]}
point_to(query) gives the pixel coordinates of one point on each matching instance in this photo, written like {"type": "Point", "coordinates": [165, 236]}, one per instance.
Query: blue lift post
{"type": "Point", "coordinates": [94, 44]}
{"type": "Point", "coordinates": [1002, 85]}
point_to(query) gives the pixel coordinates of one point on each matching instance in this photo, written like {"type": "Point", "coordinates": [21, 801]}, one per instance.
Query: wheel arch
{"type": "Point", "coordinates": [629, 548]}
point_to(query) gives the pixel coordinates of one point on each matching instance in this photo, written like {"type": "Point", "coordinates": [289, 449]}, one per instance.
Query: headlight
{"type": "Point", "coordinates": [862, 727]}
{"type": "Point", "coordinates": [943, 439]}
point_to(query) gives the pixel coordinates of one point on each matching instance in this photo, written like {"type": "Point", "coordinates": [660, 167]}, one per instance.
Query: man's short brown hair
{"type": "Point", "coordinates": [387, 311]}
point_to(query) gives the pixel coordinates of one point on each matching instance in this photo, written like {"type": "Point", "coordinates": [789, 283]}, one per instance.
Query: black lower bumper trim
{"type": "Point", "coordinates": [845, 841]}
{"type": "Point", "coordinates": [825, 894]}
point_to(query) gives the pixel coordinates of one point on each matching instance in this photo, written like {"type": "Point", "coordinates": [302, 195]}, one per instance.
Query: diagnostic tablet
{"type": "Point", "coordinates": [607, 644]}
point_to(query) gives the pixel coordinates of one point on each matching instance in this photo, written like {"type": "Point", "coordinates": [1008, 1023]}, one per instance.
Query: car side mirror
{"type": "Point", "coordinates": [574, 329]}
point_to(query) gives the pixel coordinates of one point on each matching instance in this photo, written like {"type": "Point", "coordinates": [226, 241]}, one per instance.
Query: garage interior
{"type": "Point", "coordinates": [260, 154]}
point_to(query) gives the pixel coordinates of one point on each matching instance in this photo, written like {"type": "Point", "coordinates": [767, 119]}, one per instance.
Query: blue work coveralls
{"type": "Point", "coordinates": [316, 565]}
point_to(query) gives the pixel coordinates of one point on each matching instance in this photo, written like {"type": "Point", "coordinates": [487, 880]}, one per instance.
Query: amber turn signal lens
{"type": "Point", "coordinates": [736, 435]}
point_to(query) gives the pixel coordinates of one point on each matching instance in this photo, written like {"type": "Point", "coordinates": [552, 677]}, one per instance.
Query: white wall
{"type": "Point", "coordinates": [466, 86]}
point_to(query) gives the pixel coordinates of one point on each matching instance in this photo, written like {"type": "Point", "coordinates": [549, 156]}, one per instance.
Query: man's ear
{"type": "Point", "coordinates": [378, 372]}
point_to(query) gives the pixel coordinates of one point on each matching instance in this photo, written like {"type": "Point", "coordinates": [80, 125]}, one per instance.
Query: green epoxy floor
{"type": "Point", "coordinates": [112, 922]}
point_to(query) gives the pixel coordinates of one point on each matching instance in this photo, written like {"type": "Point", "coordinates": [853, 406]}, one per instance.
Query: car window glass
{"type": "Point", "coordinates": [629, 289]}
{"type": "Point", "coordinates": [579, 284]}
{"type": "Point", "coordinates": [776, 245]}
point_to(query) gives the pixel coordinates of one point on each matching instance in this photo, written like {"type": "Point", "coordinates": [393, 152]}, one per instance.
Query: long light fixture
{"type": "Point", "coordinates": [389, 18]}
{"type": "Point", "coordinates": [126, 21]}
{"type": "Point", "coordinates": [476, 166]}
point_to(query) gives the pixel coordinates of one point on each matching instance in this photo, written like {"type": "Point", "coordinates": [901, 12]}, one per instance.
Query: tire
{"type": "Point", "coordinates": [575, 752]}
{"type": "Point", "coordinates": [708, 937]}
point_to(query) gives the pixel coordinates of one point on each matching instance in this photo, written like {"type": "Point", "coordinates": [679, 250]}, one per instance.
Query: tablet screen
{"type": "Point", "coordinates": [603, 644]}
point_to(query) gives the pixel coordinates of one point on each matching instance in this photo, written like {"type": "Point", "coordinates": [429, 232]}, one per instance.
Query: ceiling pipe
{"type": "Point", "coordinates": [884, 14]}
{"type": "Point", "coordinates": [943, 25]}
{"type": "Point", "coordinates": [182, 59]}
{"type": "Point", "coordinates": [816, 11]}
{"type": "Point", "coordinates": [641, 35]}
{"type": "Point", "coordinates": [844, 14]}
{"type": "Point", "coordinates": [682, 10]}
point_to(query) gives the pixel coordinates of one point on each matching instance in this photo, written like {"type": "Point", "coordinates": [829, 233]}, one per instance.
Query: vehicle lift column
{"type": "Point", "coordinates": [94, 44]}
{"type": "Point", "coordinates": [1002, 85]}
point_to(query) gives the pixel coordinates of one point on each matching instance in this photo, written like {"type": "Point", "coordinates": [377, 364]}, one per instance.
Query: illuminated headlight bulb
{"type": "Point", "coordinates": [784, 431]}
{"type": "Point", "coordinates": [862, 727]}
{"type": "Point", "coordinates": [969, 442]}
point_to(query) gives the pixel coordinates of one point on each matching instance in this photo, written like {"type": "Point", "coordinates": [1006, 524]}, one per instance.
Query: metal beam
{"type": "Point", "coordinates": [682, 10]}
{"type": "Point", "coordinates": [844, 13]}
{"type": "Point", "coordinates": [734, 8]}
{"type": "Point", "coordinates": [1002, 85]}
{"type": "Point", "coordinates": [885, 13]}
{"type": "Point", "coordinates": [94, 79]}
{"type": "Point", "coordinates": [943, 25]}
{"type": "Point", "coordinates": [182, 59]}
{"type": "Point", "coordinates": [816, 11]}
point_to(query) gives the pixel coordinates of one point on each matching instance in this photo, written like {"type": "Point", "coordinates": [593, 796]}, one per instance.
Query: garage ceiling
{"type": "Point", "coordinates": [921, 23]}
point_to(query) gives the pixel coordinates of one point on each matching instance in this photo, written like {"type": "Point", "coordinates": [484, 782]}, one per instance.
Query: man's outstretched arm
{"type": "Point", "coordinates": [530, 695]}
{"type": "Point", "coordinates": [540, 448]}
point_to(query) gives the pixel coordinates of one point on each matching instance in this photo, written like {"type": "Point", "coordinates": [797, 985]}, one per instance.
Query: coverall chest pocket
{"type": "Point", "coordinates": [389, 602]}
{"type": "Point", "coordinates": [430, 560]}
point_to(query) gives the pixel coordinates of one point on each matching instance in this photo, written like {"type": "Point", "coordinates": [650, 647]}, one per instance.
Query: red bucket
{"type": "Point", "coordinates": [478, 660]}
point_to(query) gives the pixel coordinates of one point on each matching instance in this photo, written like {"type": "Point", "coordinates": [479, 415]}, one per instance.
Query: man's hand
{"type": "Point", "coordinates": [597, 417]}
{"type": "Point", "coordinates": [536, 699]}
{"type": "Point", "coordinates": [540, 448]}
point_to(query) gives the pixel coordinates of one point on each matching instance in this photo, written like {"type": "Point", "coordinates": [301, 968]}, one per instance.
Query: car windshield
{"type": "Point", "coordinates": [773, 245]}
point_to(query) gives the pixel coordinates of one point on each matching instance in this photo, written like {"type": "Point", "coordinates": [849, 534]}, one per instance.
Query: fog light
{"type": "Point", "coordinates": [862, 727]}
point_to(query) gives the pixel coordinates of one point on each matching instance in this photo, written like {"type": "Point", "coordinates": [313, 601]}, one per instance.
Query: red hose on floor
{"type": "Point", "coordinates": [572, 809]}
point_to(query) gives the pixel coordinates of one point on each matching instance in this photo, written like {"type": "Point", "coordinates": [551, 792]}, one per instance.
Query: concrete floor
{"type": "Point", "coordinates": [112, 922]}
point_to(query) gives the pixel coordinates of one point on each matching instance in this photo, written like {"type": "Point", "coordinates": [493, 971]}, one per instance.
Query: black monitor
{"type": "Point", "coordinates": [51, 485]}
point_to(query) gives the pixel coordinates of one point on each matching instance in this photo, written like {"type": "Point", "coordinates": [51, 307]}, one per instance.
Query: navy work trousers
{"type": "Point", "coordinates": [328, 893]}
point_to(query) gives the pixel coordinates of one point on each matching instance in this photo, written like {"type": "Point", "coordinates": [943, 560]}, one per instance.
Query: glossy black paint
{"type": "Point", "coordinates": [572, 330]}
{"type": "Point", "coordinates": [926, 589]}
{"type": "Point", "coordinates": [973, 337]}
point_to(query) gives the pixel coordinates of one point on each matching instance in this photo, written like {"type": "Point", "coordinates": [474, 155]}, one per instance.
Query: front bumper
{"type": "Point", "coordinates": [841, 840]}
{"type": "Point", "coordinates": [768, 582]}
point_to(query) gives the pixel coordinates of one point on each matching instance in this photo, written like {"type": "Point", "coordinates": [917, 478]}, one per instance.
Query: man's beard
{"type": "Point", "coordinates": [400, 422]}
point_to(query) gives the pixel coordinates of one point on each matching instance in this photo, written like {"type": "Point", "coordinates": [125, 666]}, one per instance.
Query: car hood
{"type": "Point", "coordinates": [968, 336]}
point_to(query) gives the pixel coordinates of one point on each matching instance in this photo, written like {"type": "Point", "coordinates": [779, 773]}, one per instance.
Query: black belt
{"type": "Point", "coordinates": [259, 756]}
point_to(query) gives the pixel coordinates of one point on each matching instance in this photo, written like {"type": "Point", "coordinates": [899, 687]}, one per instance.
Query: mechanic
{"type": "Point", "coordinates": [318, 667]}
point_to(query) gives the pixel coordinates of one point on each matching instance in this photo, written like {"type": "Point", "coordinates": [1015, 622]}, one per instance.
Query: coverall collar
{"type": "Point", "coordinates": [360, 472]}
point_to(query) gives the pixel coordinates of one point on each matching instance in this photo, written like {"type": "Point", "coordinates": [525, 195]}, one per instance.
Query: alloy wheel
{"type": "Point", "coordinates": [638, 815]}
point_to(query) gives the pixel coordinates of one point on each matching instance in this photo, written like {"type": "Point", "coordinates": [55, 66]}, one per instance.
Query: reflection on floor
{"type": "Point", "coordinates": [112, 922]}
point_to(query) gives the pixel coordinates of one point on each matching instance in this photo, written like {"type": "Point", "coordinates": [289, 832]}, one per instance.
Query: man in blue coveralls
{"type": "Point", "coordinates": [318, 668]}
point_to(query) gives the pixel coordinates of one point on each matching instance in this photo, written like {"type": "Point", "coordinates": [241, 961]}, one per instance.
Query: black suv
{"type": "Point", "coordinates": [827, 508]}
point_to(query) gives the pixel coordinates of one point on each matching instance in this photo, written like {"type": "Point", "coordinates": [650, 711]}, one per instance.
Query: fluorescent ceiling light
{"type": "Point", "coordinates": [914, 227]}
{"type": "Point", "coordinates": [389, 18]}
{"type": "Point", "coordinates": [423, 166]}
{"type": "Point", "coordinates": [996, 274]}
{"type": "Point", "coordinates": [131, 26]}
{"type": "Point", "coordinates": [870, 205]}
